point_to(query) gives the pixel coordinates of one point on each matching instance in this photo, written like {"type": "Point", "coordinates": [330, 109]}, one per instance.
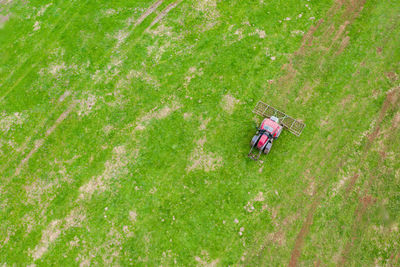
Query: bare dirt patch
{"type": "Point", "coordinates": [162, 31]}
{"type": "Point", "coordinates": [55, 229]}
{"type": "Point", "coordinates": [49, 235]}
{"type": "Point", "coordinates": [55, 69]}
{"type": "Point", "coordinates": [343, 44]}
{"type": "Point", "coordinates": [64, 95]}
{"type": "Point", "coordinates": [144, 76]}
{"type": "Point", "coordinates": [204, 122]}
{"type": "Point", "coordinates": [392, 76]}
{"type": "Point", "coordinates": [187, 116]}
{"type": "Point", "coordinates": [121, 36]}
{"type": "Point", "coordinates": [207, 9]}
{"type": "Point", "coordinates": [249, 207]}
{"type": "Point", "coordinates": [36, 26]}
{"type": "Point", "coordinates": [86, 105]}
{"type": "Point", "coordinates": [132, 216]}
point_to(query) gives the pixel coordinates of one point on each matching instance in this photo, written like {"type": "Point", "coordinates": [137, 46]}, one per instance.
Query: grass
{"type": "Point", "coordinates": [148, 164]}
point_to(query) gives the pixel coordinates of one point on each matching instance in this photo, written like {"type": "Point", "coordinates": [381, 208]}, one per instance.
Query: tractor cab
{"type": "Point", "coordinates": [272, 126]}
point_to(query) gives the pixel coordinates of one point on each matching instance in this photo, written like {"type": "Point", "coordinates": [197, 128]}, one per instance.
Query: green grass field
{"type": "Point", "coordinates": [125, 128]}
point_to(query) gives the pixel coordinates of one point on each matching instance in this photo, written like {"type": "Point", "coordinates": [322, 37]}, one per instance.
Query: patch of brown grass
{"type": "Point", "coordinates": [202, 160]}
{"type": "Point", "coordinates": [114, 168]}
{"type": "Point", "coordinates": [228, 103]}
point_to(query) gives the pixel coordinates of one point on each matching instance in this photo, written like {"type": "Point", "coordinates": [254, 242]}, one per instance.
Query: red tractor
{"type": "Point", "coordinates": [270, 128]}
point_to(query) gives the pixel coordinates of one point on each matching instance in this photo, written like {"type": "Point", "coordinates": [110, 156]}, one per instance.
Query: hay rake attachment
{"type": "Point", "coordinates": [264, 110]}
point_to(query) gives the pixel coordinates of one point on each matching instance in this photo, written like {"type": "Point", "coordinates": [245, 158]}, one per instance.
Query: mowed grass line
{"type": "Point", "coordinates": [61, 93]}
{"type": "Point", "coordinates": [77, 84]}
{"type": "Point", "coordinates": [105, 58]}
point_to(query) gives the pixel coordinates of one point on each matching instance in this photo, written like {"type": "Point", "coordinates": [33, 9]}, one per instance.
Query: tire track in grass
{"type": "Point", "coordinates": [366, 201]}
{"type": "Point", "coordinates": [352, 10]}
{"type": "Point", "coordinates": [392, 101]}
{"type": "Point", "coordinates": [371, 138]}
{"type": "Point", "coordinates": [35, 131]}
{"type": "Point", "coordinates": [41, 141]}
{"type": "Point", "coordinates": [164, 13]}
{"type": "Point", "coordinates": [148, 12]}
{"type": "Point", "coordinates": [308, 46]}
{"type": "Point", "coordinates": [303, 233]}
{"type": "Point", "coordinates": [331, 43]}
{"type": "Point", "coordinates": [61, 118]}
{"type": "Point", "coordinates": [28, 71]}
{"type": "Point", "coordinates": [160, 114]}
{"type": "Point", "coordinates": [35, 48]}
{"type": "Point", "coordinates": [286, 82]}
{"type": "Point", "coordinates": [139, 21]}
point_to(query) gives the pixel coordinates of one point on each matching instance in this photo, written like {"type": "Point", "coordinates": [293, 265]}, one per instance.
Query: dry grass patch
{"type": "Point", "coordinates": [8, 121]}
{"type": "Point", "coordinates": [86, 105]}
{"type": "Point", "coordinates": [228, 103]}
{"type": "Point", "coordinates": [204, 260]}
{"type": "Point", "coordinates": [49, 235]}
{"type": "Point", "coordinates": [114, 168]}
{"type": "Point", "coordinates": [192, 73]}
{"type": "Point", "coordinates": [202, 160]}
{"type": "Point", "coordinates": [156, 113]}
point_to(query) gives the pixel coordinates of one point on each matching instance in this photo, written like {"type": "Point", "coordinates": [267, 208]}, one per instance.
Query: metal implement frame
{"type": "Point", "coordinates": [294, 126]}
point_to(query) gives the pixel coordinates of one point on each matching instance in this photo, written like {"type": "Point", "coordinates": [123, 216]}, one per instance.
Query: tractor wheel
{"type": "Point", "coordinates": [267, 148]}
{"type": "Point", "coordinates": [254, 140]}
